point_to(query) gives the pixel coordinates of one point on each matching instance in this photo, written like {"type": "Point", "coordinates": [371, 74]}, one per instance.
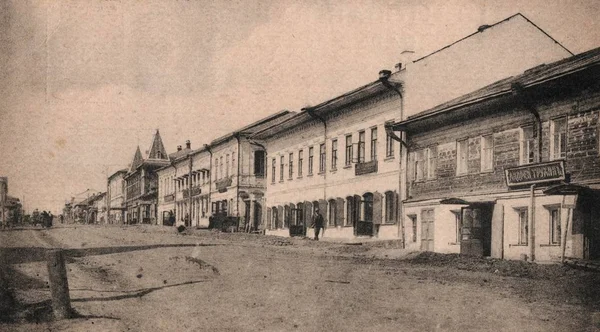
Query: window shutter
{"type": "Point", "coordinates": [377, 208]}
{"type": "Point", "coordinates": [396, 206]}
{"type": "Point", "coordinates": [280, 216]}
{"type": "Point", "coordinates": [339, 214]}
{"type": "Point", "coordinates": [307, 213]}
{"type": "Point", "coordinates": [410, 168]}
{"type": "Point", "coordinates": [323, 210]}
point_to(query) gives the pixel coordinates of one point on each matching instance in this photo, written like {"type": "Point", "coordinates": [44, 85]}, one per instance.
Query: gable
{"type": "Point", "coordinates": [157, 149]}
{"type": "Point", "coordinates": [137, 160]}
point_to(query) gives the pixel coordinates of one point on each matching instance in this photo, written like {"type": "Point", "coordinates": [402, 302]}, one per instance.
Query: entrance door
{"type": "Point", "coordinates": [592, 235]}
{"type": "Point", "coordinates": [257, 215]}
{"type": "Point", "coordinates": [427, 229]}
{"type": "Point", "coordinates": [476, 232]}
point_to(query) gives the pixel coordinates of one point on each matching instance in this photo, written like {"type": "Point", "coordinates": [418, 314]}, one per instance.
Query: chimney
{"type": "Point", "coordinates": [178, 147]}
{"type": "Point", "coordinates": [188, 144]}
{"type": "Point", "coordinates": [483, 27]}
{"type": "Point", "coordinates": [384, 74]}
{"type": "Point", "coordinates": [406, 58]}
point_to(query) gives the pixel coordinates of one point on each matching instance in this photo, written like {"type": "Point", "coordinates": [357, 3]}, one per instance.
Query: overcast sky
{"type": "Point", "coordinates": [84, 82]}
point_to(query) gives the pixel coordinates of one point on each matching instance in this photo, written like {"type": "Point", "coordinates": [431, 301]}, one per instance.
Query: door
{"type": "Point", "coordinates": [592, 235]}
{"type": "Point", "coordinates": [427, 229]}
{"type": "Point", "coordinates": [476, 232]}
{"type": "Point", "coordinates": [257, 215]}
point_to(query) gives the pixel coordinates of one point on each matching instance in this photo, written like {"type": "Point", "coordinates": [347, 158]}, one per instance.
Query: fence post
{"type": "Point", "coordinates": [59, 285]}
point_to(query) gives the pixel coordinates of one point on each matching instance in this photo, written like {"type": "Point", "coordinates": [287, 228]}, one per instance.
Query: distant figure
{"type": "Point", "coordinates": [317, 223]}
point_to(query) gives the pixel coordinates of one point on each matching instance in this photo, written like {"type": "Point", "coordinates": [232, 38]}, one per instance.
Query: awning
{"type": "Point", "coordinates": [460, 201]}
{"type": "Point", "coordinates": [568, 189]}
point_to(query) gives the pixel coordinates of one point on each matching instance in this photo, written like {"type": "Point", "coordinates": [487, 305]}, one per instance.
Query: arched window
{"type": "Point", "coordinates": [368, 207]}
{"type": "Point", "coordinates": [300, 214]}
{"type": "Point", "coordinates": [350, 211]}
{"type": "Point", "coordinates": [332, 213]}
{"type": "Point", "coordinates": [275, 218]}
{"type": "Point", "coordinates": [286, 216]}
{"type": "Point", "coordinates": [390, 206]}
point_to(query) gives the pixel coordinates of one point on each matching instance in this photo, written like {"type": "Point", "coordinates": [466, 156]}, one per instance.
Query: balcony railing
{"type": "Point", "coordinates": [252, 180]}
{"type": "Point", "coordinates": [196, 190]}
{"type": "Point", "coordinates": [365, 167]}
{"type": "Point", "coordinates": [221, 185]}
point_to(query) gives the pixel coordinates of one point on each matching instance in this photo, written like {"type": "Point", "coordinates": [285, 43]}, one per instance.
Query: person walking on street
{"type": "Point", "coordinates": [317, 223]}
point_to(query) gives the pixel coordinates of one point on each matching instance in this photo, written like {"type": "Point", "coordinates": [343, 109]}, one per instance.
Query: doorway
{"type": "Point", "coordinates": [476, 232]}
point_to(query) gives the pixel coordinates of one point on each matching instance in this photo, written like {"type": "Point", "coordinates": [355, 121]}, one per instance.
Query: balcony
{"type": "Point", "coordinates": [169, 198]}
{"type": "Point", "coordinates": [253, 181]}
{"type": "Point", "coordinates": [221, 185]}
{"type": "Point", "coordinates": [196, 190]}
{"type": "Point", "coordinates": [365, 168]}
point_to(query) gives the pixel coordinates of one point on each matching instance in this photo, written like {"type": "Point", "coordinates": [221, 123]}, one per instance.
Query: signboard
{"type": "Point", "coordinates": [366, 168]}
{"type": "Point", "coordinates": [535, 173]}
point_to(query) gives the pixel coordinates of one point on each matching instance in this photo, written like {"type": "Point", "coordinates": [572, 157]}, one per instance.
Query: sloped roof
{"type": "Point", "coordinates": [529, 78]}
{"type": "Point", "coordinates": [137, 160]}
{"type": "Point", "coordinates": [482, 28]}
{"type": "Point", "coordinates": [268, 122]}
{"type": "Point", "coordinates": [157, 149]}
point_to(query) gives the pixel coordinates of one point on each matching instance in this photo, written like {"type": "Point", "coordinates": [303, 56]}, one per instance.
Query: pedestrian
{"type": "Point", "coordinates": [317, 223]}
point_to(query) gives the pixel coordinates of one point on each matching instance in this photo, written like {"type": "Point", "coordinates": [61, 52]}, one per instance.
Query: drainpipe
{"type": "Point", "coordinates": [532, 224]}
{"type": "Point", "coordinates": [519, 92]}
{"type": "Point", "coordinates": [237, 186]}
{"type": "Point", "coordinates": [190, 166]}
{"type": "Point", "coordinates": [311, 112]}
{"type": "Point", "coordinates": [210, 175]}
{"type": "Point", "coordinates": [384, 76]}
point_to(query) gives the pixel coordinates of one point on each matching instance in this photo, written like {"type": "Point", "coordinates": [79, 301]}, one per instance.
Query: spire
{"type": "Point", "coordinates": [157, 149]}
{"type": "Point", "coordinates": [137, 159]}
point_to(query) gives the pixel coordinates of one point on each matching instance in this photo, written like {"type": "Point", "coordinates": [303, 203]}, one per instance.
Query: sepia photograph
{"type": "Point", "coordinates": [287, 165]}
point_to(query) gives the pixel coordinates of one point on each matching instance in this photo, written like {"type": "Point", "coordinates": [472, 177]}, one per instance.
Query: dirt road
{"type": "Point", "coordinates": [153, 279]}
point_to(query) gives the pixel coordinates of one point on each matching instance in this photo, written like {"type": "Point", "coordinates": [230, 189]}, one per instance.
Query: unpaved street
{"type": "Point", "coordinates": [153, 279]}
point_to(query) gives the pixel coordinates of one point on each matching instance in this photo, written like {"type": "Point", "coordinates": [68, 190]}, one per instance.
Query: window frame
{"type": "Point", "coordinates": [526, 145]}
{"type": "Point", "coordinates": [562, 143]}
{"type": "Point", "coordinates": [487, 153]}
{"type": "Point", "coordinates": [555, 226]}
{"type": "Point", "coordinates": [300, 162]}
{"type": "Point", "coordinates": [349, 150]}
{"type": "Point", "coordinates": [273, 169]}
{"type": "Point", "coordinates": [291, 166]}
{"type": "Point", "coordinates": [334, 150]}
{"type": "Point", "coordinates": [281, 167]}
{"type": "Point", "coordinates": [373, 143]}
{"type": "Point", "coordinates": [523, 225]}
{"type": "Point", "coordinates": [361, 146]}
{"type": "Point", "coordinates": [311, 157]}
{"type": "Point", "coordinates": [322, 158]}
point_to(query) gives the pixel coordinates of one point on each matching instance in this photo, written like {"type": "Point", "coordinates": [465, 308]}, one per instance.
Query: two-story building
{"type": "Point", "coordinates": [336, 157]}
{"type": "Point", "coordinates": [238, 173]}
{"type": "Point", "coordinates": [115, 197]}
{"type": "Point", "coordinates": [141, 183]}
{"type": "Point", "coordinates": [510, 170]}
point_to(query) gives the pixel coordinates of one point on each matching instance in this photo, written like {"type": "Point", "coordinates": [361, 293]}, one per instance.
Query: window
{"type": "Point", "coordinates": [413, 223]}
{"type": "Point", "coordinates": [227, 166]}
{"type": "Point", "coordinates": [291, 166]}
{"type": "Point", "coordinates": [457, 225]}
{"type": "Point", "coordinates": [322, 158]}
{"type": "Point", "coordinates": [334, 149]}
{"type": "Point", "coordinates": [300, 159]}
{"type": "Point", "coordinates": [361, 147]}
{"type": "Point", "coordinates": [527, 150]}
{"type": "Point", "coordinates": [348, 150]}
{"type": "Point", "coordinates": [216, 169]}
{"type": "Point", "coordinates": [373, 143]}
{"type": "Point", "coordinates": [554, 214]}
{"type": "Point", "coordinates": [310, 160]}
{"type": "Point", "coordinates": [523, 215]}
{"type": "Point", "coordinates": [487, 153]}
{"type": "Point", "coordinates": [273, 165]}
{"type": "Point", "coordinates": [259, 163]}
{"type": "Point", "coordinates": [281, 169]}
{"type": "Point", "coordinates": [558, 138]}
{"type": "Point", "coordinates": [461, 156]}
{"type": "Point", "coordinates": [332, 212]}
{"type": "Point", "coordinates": [389, 146]}
{"type": "Point", "coordinates": [233, 165]}
{"type": "Point", "coordinates": [390, 206]}
{"type": "Point", "coordinates": [221, 167]}
{"type": "Point", "coordinates": [368, 207]}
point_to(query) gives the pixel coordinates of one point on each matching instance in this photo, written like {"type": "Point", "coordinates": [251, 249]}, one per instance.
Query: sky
{"type": "Point", "coordinates": [84, 82]}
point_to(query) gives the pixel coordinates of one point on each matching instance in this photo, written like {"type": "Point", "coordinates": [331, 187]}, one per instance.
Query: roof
{"type": "Point", "coordinates": [272, 120]}
{"type": "Point", "coordinates": [505, 87]}
{"type": "Point", "coordinates": [359, 94]}
{"type": "Point", "coordinates": [121, 171]}
{"type": "Point", "coordinates": [484, 27]}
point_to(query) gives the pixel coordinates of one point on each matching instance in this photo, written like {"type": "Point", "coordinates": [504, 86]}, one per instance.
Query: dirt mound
{"type": "Point", "coordinates": [501, 267]}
